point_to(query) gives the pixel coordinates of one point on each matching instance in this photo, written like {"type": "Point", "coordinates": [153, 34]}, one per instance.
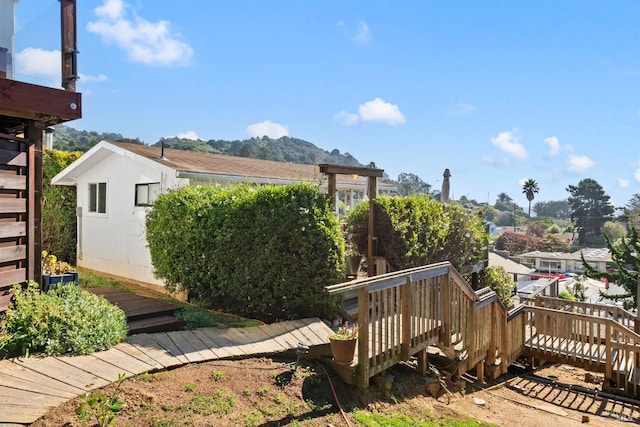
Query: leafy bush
{"type": "Point", "coordinates": [416, 230]}
{"type": "Point", "coordinates": [67, 319]}
{"type": "Point", "coordinates": [261, 252]}
{"type": "Point", "coordinates": [58, 206]}
{"type": "Point", "coordinates": [497, 278]}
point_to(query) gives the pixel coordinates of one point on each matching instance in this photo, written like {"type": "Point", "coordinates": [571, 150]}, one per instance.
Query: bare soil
{"type": "Point", "coordinates": [265, 392]}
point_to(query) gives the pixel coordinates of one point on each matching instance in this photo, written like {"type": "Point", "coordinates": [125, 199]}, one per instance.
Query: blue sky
{"type": "Point", "coordinates": [496, 91]}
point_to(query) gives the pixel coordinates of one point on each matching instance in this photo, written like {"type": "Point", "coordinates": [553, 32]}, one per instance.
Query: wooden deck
{"type": "Point", "coordinates": [144, 314]}
{"type": "Point", "coordinates": [29, 387]}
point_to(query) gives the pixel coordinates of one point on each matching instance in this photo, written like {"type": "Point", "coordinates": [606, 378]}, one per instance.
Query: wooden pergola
{"type": "Point", "coordinates": [372, 173]}
{"type": "Point", "coordinates": [25, 111]}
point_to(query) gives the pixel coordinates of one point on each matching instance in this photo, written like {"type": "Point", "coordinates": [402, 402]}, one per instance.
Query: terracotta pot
{"type": "Point", "coordinates": [343, 350]}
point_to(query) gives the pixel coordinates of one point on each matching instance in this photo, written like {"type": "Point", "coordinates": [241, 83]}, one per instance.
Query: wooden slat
{"type": "Point", "coordinates": [155, 351]}
{"type": "Point", "coordinates": [36, 379]}
{"type": "Point", "coordinates": [29, 101]}
{"type": "Point", "coordinates": [13, 229]}
{"type": "Point", "coordinates": [13, 253]}
{"type": "Point", "coordinates": [11, 277]}
{"type": "Point", "coordinates": [63, 372]}
{"type": "Point", "coordinates": [134, 352]}
{"type": "Point", "coordinates": [11, 205]}
{"type": "Point", "coordinates": [13, 158]}
{"type": "Point", "coordinates": [96, 366]}
{"type": "Point", "coordinates": [191, 346]}
{"type": "Point", "coordinates": [12, 182]}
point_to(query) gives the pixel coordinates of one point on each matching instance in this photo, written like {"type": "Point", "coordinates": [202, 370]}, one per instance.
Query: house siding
{"type": "Point", "coordinates": [115, 242]}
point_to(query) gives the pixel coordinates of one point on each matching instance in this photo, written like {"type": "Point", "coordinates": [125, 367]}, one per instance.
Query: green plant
{"type": "Point", "coordinates": [50, 264]}
{"type": "Point", "coordinates": [345, 332]}
{"type": "Point", "coordinates": [67, 319]}
{"type": "Point", "coordinates": [101, 407]}
{"type": "Point", "coordinates": [217, 375]}
{"type": "Point", "coordinates": [190, 387]}
{"type": "Point", "coordinates": [501, 282]}
{"type": "Point", "coordinates": [220, 243]}
{"type": "Point", "coordinates": [262, 391]}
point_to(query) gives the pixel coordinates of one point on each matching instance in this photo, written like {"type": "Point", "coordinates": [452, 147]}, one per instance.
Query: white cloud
{"type": "Point", "coordinates": [636, 175]}
{"type": "Point", "coordinates": [579, 164]}
{"type": "Point", "coordinates": [146, 42]}
{"type": "Point", "coordinates": [40, 63]}
{"type": "Point", "coordinates": [347, 119]}
{"type": "Point", "coordinates": [623, 183]}
{"type": "Point", "coordinates": [92, 78]}
{"type": "Point", "coordinates": [362, 34]}
{"type": "Point", "coordinates": [495, 162]}
{"type": "Point", "coordinates": [378, 110]}
{"type": "Point", "coordinates": [508, 142]}
{"type": "Point", "coordinates": [554, 145]}
{"type": "Point", "coordinates": [190, 134]}
{"type": "Point", "coordinates": [268, 128]}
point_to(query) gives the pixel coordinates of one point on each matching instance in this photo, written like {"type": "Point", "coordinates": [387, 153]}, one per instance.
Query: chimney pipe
{"type": "Point", "coordinates": [48, 137]}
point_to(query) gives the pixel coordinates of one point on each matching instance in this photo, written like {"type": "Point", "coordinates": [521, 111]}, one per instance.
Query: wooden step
{"type": "Point", "coordinates": [155, 324]}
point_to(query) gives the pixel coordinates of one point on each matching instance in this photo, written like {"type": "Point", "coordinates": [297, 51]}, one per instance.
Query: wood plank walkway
{"type": "Point", "coordinates": [29, 387]}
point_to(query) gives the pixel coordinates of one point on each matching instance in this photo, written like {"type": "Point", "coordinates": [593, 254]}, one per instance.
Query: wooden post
{"type": "Point", "coordinates": [34, 200]}
{"type": "Point", "coordinates": [493, 343]}
{"type": "Point", "coordinates": [480, 371]}
{"type": "Point", "coordinates": [406, 297]}
{"type": "Point", "coordinates": [364, 369]}
{"type": "Point", "coordinates": [423, 363]}
{"type": "Point", "coordinates": [372, 183]}
{"type": "Point", "coordinates": [332, 189]}
{"type": "Point", "coordinates": [445, 328]}
{"type": "Point", "coordinates": [636, 325]}
{"type": "Point", "coordinates": [68, 44]}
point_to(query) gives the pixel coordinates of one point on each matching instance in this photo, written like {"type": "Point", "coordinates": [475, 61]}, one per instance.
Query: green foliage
{"type": "Point", "coordinates": [614, 230]}
{"type": "Point", "coordinates": [565, 294]}
{"type": "Point", "coordinates": [626, 267]}
{"type": "Point", "coordinates": [409, 183]}
{"type": "Point", "coordinates": [66, 319]}
{"type": "Point", "coordinates": [497, 278]}
{"type": "Point", "coordinates": [261, 252]}
{"type": "Point", "coordinates": [590, 209]}
{"type": "Point", "coordinates": [100, 407]}
{"type": "Point", "coordinates": [556, 209]}
{"type": "Point", "coordinates": [375, 419]}
{"type": "Point", "coordinates": [58, 206]}
{"type": "Point", "coordinates": [416, 230]}
{"type": "Point", "coordinates": [69, 139]}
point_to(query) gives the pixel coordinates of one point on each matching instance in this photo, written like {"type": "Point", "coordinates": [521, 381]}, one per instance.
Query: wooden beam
{"type": "Point", "coordinates": [68, 44]}
{"type": "Point", "coordinates": [34, 234]}
{"type": "Point", "coordinates": [47, 105]}
{"type": "Point", "coordinates": [371, 232]}
{"type": "Point", "coordinates": [350, 170]}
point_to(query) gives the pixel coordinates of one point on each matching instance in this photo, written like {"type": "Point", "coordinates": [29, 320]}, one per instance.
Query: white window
{"type": "Point", "coordinates": [147, 194]}
{"type": "Point", "coordinates": [98, 197]}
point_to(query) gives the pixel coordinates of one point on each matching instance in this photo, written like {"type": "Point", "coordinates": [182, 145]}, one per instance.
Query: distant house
{"type": "Point", "coordinates": [117, 183]}
{"type": "Point", "coordinates": [561, 262]}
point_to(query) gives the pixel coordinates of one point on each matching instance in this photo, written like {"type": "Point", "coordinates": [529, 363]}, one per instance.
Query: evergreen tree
{"type": "Point", "coordinates": [626, 267]}
{"type": "Point", "coordinates": [590, 209]}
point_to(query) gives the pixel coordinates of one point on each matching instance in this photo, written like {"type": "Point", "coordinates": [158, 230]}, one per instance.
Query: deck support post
{"type": "Point", "coordinates": [364, 369]}
{"type": "Point", "coordinates": [445, 331]}
{"type": "Point", "coordinates": [480, 371]}
{"type": "Point", "coordinates": [406, 296]}
{"type": "Point", "coordinates": [423, 363]}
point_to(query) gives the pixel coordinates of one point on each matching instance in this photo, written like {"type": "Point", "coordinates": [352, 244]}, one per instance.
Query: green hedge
{"type": "Point", "coordinates": [416, 230]}
{"type": "Point", "coordinates": [261, 252]}
{"type": "Point", "coordinates": [58, 207]}
{"type": "Point", "coordinates": [67, 319]}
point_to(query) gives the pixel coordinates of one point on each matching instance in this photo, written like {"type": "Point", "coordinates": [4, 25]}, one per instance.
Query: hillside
{"type": "Point", "coordinates": [284, 149]}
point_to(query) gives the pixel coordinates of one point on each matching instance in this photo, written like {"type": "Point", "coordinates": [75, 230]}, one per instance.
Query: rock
{"type": "Point", "coordinates": [479, 402]}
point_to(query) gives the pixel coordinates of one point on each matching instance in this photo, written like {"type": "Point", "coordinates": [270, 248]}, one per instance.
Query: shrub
{"type": "Point", "coordinates": [416, 230]}
{"type": "Point", "coordinates": [497, 278]}
{"type": "Point", "coordinates": [67, 319]}
{"type": "Point", "coordinates": [58, 206]}
{"type": "Point", "coordinates": [261, 252]}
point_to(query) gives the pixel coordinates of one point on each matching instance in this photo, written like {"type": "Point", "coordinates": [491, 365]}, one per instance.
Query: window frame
{"type": "Point", "coordinates": [97, 198]}
{"type": "Point", "coordinates": [153, 190]}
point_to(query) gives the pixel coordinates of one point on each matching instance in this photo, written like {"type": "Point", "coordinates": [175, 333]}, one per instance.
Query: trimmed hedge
{"type": "Point", "coordinates": [67, 319]}
{"type": "Point", "coordinates": [260, 252]}
{"type": "Point", "coordinates": [416, 230]}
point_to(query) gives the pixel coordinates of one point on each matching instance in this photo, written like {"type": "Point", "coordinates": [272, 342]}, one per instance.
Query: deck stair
{"type": "Point", "coordinates": [144, 314]}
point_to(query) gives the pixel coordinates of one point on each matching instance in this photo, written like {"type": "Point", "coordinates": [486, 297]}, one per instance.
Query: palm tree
{"type": "Point", "coordinates": [530, 188]}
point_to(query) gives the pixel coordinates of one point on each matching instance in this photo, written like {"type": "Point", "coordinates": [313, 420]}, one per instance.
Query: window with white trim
{"type": "Point", "coordinates": [98, 197]}
{"type": "Point", "coordinates": [147, 194]}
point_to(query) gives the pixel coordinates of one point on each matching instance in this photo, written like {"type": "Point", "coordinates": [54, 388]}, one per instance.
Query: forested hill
{"type": "Point", "coordinates": [284, 149]}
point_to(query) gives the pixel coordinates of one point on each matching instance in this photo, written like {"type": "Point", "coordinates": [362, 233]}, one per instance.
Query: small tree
{"type": "Point", "coordinates": [626, 267]}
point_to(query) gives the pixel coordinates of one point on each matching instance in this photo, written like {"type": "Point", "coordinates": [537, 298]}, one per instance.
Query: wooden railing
{"type": "Point", "coordinates": [548, 290]}
{"type": "Point", "coordinates": [400, 314]}
{"type": "Point", "coordinates": [595, 343]}
{"type": "Point", "coordinates": [616, 313]}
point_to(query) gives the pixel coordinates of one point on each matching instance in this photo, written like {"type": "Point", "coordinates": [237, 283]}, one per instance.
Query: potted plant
{"type": "Point", "coordinates": [343, 344]}
{"type": "Point", "coordinates": [55, 271]}
{"type": "Point", "coordinates": [352, 260]}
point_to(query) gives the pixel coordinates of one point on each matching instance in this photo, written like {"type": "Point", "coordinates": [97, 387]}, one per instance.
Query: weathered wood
{"type": "Point", "coordinates": [63, 372]}
{"type": "Point", "coordinates": [47, 105]}
{"type": "Point", "coordinates": [148, 363]}
{"type": "Point", "coordinates": [13, 253]}
{"type": "Point", "coordinates": [12, 205]}
{"type": "Point", "coordinates": [13, 158]}
{"type": "Point", "coordinates": [14, 229]}
{"type": "Point", "coordinates": [11, 181]}
{"type": "Point", "coordinates": [98, 367]}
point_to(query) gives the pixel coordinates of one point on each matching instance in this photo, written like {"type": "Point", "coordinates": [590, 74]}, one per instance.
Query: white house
{"type": "Point", "coordinates": [561, 262]}
{"type": "Point", "coordinates": [118, 182]}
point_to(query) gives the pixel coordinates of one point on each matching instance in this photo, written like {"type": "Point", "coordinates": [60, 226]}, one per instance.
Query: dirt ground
{"type": "Point", "coordinates": [268, 393]}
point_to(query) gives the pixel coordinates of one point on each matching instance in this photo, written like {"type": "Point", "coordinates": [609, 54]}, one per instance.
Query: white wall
{"type": "Point", "coordinates": [115, 242]}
